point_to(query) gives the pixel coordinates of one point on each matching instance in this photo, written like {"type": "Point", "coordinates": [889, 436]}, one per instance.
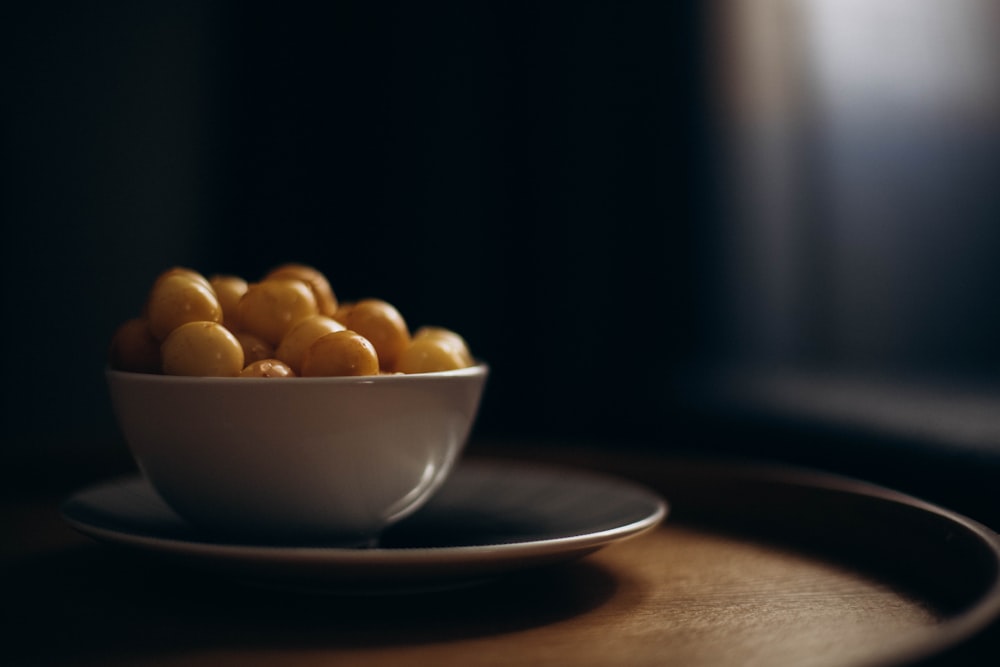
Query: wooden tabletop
{"type": "Point", "coordinates": [692, 592]}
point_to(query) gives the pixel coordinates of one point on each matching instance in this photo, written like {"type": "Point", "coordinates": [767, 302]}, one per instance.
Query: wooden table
{"type": "Point", "coordinates": [699, 590]}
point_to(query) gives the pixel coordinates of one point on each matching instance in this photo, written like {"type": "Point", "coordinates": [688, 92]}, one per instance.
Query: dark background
{"type": "Point", "coordinates": [661, 228]}
{"type": "Point", "coordinates": [525, 173]}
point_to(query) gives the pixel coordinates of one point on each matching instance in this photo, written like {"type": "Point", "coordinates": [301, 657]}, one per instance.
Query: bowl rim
{"type": "Point", "coordinates": [479, 369]}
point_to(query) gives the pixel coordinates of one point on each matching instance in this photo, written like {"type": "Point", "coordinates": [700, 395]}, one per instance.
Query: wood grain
{"type": "Point", "coordinates": [699, 590]}
{"type": "Point", "coordinates": [677, 596]}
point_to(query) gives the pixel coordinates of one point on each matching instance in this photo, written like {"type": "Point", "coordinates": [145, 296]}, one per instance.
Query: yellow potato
{"type": "Point", "coordinates": [269, 308]}
{"type": "Point", "coordinates": [267, 368]}
{"type": "Point", "coordinates": [203, 349]}
{"type": "Point", "coordinates": [133, 348]}
{"type": "Point", "coordinates": [182, 271]}
{"type": "Point", "coordinates": [254, 349]}
{"type": "Point", "coordinates": [303, 334]}
{"type": "Point", "coordinates": [383, 325]}
{"type": "Point", "coordinates": [326, 301]}
{"type": "Point", "coordinates": [229, 290]}
{"type": "Point", "coordinates": [430, 354]}
{"type": "Point", "coordinates": [447, 337]}
{"type": "Point", "coordinates": [340, 353]}
{"type": "Point", "coordinates": [178, 298]}
{"type": "Point", "coordinates": [343, 308]}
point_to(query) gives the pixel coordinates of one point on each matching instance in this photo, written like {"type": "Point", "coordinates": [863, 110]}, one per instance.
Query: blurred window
{"type": "Point", "coordinates": [862, 151]}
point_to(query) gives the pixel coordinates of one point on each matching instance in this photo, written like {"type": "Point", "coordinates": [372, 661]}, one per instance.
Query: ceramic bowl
{"type": "Point", "coordinates": [332, 460]}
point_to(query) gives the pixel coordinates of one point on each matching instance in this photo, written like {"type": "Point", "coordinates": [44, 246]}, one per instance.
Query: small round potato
{"type": "Point", "coordinates": [304, 333]}
{"type": "Point", "coordinates": [340, 353]}
{"type": "Point", "coordinates": [267, 368]}
{"type": "Point", "coordinates": [383, 325]}
{"type": "Point", "coordinates": [269, 308]}
{"type": "Point", "coordinates": [326, 301]}
{"type": "Point", "coordinates": [178, 298]}
{"type": "Point", "coordinates": [430, 354]}
{"type": "Point", "coordinates": [229, 290]}
{"type": "Point", "coordinates": [203, 349]}
{"type": "Point", "coordinates": [133, 348]}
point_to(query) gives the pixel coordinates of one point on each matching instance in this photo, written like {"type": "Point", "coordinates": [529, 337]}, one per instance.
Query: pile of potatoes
{"type": "Point", "coordinates": [288, 324]}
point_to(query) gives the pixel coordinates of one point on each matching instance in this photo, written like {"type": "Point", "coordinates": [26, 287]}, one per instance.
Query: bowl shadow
{"type": "Point", "coordinates": [110, 604]}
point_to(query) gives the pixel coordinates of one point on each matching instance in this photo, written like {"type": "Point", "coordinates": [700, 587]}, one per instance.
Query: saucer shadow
{"type": "Point", "coordinates": [112, 603]}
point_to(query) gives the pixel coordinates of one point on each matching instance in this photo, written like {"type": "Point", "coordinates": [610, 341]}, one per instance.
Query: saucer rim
{"type": "Point", "coordinates": [498, 556]}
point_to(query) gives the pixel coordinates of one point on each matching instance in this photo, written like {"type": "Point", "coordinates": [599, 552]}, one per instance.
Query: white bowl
{"type": "Point", "coordinates": [333, 459]}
